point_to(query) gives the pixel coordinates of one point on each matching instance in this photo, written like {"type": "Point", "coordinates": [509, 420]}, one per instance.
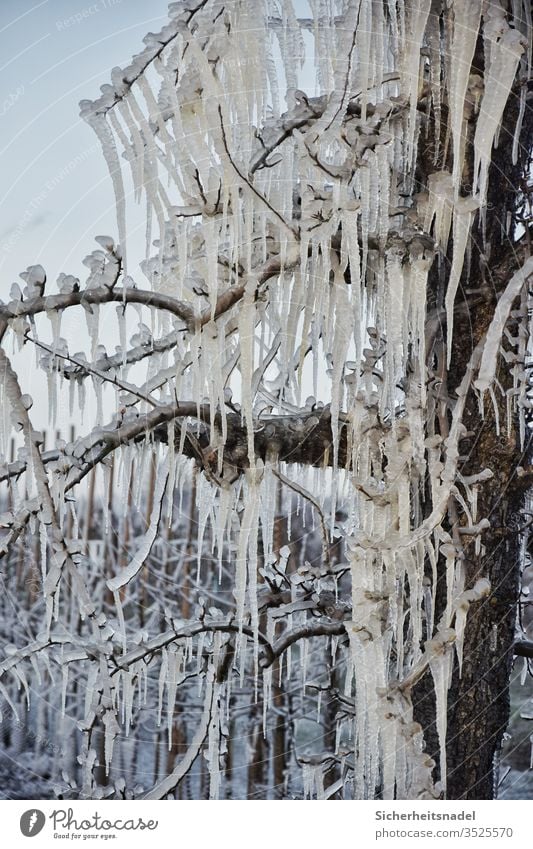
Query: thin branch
{"type": "Point", "coordinates": [133, 355]}
{"type": "Point", "coordinates": [183, 632]}
{"type": "Point", "coordinates": [312, 500]}
{"type": "Point", "coordinates": [134, 71]}
{"type": "Point", "coordinates": [250, 185]}
{"type": "Point", "coordinates": [115, 381]}
{"type": "Point", "coordinates": [168, 784]}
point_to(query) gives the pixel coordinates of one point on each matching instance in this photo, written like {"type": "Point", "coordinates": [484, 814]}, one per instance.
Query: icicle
{"type": "Point", "coordinates": [519, 122]}
{"type": "Point", "coordinates": [247, 550]}
{"type": "Point", "coordinates": [440, 207]}
{"type": "Point", "coordinates": [111, 731]}
{"type": "Point", "coordinates": [461, 605]}
{"type": "Point", "coordinates": [64, 685]}
{"type": "Point", "coordinates": [462, 223]}
{"type": "Point", "coordinates": [138, 560]}
{"type": "Point", "coordinates": [342, 336]}
{"type": "Point", "coordinates": [127, 678]}
{"type": "Point", "coordinates": [389, 747]}
{"type": "Point", "coordinates": [506, 48]}
{"type": "Point", "coordinates": [466, 20]}
{"type": "Point", "coordinates": [246, 335]}
{"type": "Point", "coordinates": [213, 744]}
{"type": "Point", "coordinates": [172, 674]}
{"type": "Point", "coordinates": [419, 12]}
{"type": "Point", "coordinates": [98, 122]}
{"type": "Point", "coordinates": [206, 494]}
{"type": "Point", "coordinates": [438, 650]}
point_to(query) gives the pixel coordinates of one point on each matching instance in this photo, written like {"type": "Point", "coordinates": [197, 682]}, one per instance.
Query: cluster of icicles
{"type": "Point", "coordinates": [250, 182]}
{"type": "Point", "coordinates": [193, 149]}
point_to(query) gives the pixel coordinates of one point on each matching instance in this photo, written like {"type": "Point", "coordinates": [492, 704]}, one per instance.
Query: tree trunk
{"type": "Point", "coordinates": [478, 700]}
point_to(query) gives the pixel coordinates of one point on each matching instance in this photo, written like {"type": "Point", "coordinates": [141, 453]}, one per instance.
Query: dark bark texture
{"type": "Point", "coordinates": [478, 701]}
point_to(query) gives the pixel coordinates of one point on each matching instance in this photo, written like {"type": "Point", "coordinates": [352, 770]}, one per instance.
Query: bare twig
{"type": "Point", "coordinates": [244, 179]}
{"type": "Point", "coordinates": [115, 381]}
{"type": "Point", "coordinates": [312, 500]}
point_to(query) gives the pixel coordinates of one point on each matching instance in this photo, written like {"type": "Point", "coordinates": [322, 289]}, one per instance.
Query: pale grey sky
{"type": "Point", "coordinates": [55, 190]}
{"type": "Point", "coordinates": [54, 187]}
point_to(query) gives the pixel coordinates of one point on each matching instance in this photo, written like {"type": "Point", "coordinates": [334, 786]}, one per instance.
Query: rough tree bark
{"type": "Point", "coordinates": [478, 701]}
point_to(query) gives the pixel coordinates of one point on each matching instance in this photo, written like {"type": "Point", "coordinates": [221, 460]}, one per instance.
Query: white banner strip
{"type": "Point", "coordinates": [221, 825]}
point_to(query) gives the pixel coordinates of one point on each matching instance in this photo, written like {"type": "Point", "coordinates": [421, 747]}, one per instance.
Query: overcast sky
{"type": "Point", "coordinates": [55, 190]}
{"type": "Point", "coordinates": [54, 186]}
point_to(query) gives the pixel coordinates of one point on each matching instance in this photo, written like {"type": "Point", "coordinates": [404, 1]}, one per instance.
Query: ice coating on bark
{"type": "Point", "coordinates": [487, 368]}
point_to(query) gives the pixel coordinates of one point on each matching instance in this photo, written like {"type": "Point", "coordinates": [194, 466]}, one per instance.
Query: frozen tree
{"type": "Point", "coordinates": [333, 319]}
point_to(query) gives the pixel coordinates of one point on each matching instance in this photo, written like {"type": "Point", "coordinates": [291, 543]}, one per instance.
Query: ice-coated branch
{"type": "Point", "coordinates": [487, 368]}
{"type": "Point", "coordinates": [168, 784]}
{"type": "Point", "coordinates": [321, 628]}
{"type": "Point", "coordinates": [111, 436]}
{"type": "Point", "coordinates": [90, 369]}
{"type": "Point", "coordinates": [307, 110]}
{"type": "Point", "coordinates": [301, 438]}
{"type": "Point", "coordinates": [132, 355]}
{"type": "Point", "coordinates": [229, 297]}
{"type": "Point", "coordinates": [60, 554]}
{"type": "Point", "coordinates": [155, 45]}
{"type": "Point", "coordinates": [98, 295]}
{"type": "Point", "coordinates": [184, 631]}
{"type": "Point", "coordinates": [28, 651]}
{"type": "Point", "coordinates": [148, 298]}
{"type": "Point", "coordinates": [16, 524]}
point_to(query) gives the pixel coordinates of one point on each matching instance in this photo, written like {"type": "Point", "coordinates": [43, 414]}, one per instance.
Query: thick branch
{"type": "Point", "coordinates": [305, 438]}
